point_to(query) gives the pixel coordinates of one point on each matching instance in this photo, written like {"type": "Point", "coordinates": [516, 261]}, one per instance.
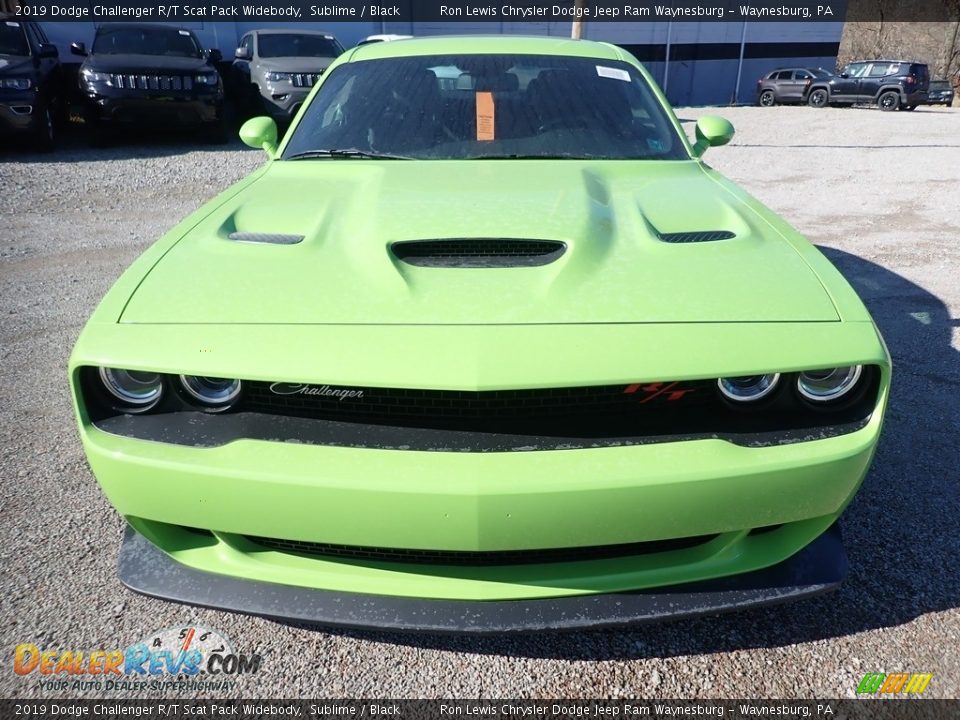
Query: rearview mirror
{"type": "Point", "coordinates": [78, 49]}
{"type": "Point", "coordinates": [47, 50]}
{"type": "Point", "coordinates": [242, 53]}
{"type": "Point", "coordinates": [844, 76]}
{"type": "Point", "coordinates": [712, 131]}
{"type": "Point", "coordinates": [260, 133]}
{"type": "Point", "coordinates": [214, 56]}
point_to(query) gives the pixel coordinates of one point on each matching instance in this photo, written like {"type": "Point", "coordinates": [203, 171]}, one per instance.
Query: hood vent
{"type": "Point", "coordinates": [266, 238]}
{"type": "Point", "coordinates": [478, 252]}
{"type": "Point", "coordinates": [697, 237]}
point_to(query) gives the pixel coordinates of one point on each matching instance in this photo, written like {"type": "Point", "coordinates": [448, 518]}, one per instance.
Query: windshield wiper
{"type": "Point", "coordinates": [345, 153]}
{"type": "Point", "coordinates": [529, 156]}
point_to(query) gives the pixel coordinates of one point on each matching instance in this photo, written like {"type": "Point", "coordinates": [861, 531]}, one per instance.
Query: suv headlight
{"type": "Point", "coordinates": [92, 76]}
{"type": "Point", "coordinates": [278, 76]}
{"type": "Point", "coordinates": [209, 80]}
{"type": "Point", "coordinates": [16, 83]}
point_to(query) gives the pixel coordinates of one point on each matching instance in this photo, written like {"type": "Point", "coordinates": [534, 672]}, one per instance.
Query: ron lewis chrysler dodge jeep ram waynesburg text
{"type": "Point", "coordinates": [489, 355]}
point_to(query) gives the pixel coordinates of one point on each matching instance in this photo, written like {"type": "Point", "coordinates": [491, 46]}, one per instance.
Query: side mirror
{"type": "Point", "coordinates": [845, 76]}
{"type": "Point", "coordinates": [712, 131]}
{"type": "Point", "coordinates": [48, 50]}
{"type": "Point", "coordinates": [260, 133]}
{"type": "Point", "coordinates": [242, 53]}
{"type": "Point", "coordinates": [214, 56]}
{"type": "Point", "coordinates": [78, 49]}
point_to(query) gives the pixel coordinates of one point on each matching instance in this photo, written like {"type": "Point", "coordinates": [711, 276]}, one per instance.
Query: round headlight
{"type": "Point", "coordinates": [830, 384]}
{"type": "Point", "coordinates": [748, 388]}
{"type": "Point", "coordinates": [216, 393]}
{"type": "Point", "coordinates": [135, 388]}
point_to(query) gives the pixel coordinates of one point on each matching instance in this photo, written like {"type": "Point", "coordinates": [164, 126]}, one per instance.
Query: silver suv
{"type": "Point", "coordinates": [274, 70]}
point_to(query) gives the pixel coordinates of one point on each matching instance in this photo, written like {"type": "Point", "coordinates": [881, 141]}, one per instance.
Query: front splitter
{"type": "Point", "coordinates": [818, 568]}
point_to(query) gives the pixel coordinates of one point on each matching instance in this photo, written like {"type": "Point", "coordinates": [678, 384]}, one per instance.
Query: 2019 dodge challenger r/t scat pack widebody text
{"type": "Point", "coordinates": [484, 346]}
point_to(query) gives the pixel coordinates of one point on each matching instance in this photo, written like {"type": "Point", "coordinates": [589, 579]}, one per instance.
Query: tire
{"type": "Point", "coordinates": [44, 135]}
{"type": "Point", "coordinates": [889, 100]}
{"type": "Point", "coordinates": [818, 98]}
{"type": "Point", "coordinates": [767, 99]}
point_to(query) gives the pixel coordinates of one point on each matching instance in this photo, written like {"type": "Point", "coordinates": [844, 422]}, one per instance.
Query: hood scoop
{"type": "Point", "coordinates": [696, 236]}
{"type": "Point", "coordinates": [266, 238]}
{"type": "Point", "coordinates": [478, 252]}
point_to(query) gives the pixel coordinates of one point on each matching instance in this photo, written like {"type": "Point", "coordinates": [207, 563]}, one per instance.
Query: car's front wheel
{"type": "Point", "coordinates": [818, 98]}
{"type": "Point", "coordinates": [889, 100]}
{"type": "Point", "coordinates": [767, 98]}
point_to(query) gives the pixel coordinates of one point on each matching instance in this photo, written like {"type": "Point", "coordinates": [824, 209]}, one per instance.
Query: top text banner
{"type": "Point", "coordinates": [408, 11]}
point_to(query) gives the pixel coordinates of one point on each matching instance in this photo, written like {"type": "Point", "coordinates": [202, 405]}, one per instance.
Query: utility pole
{"type": "Point", "coordinates": [576, 30]}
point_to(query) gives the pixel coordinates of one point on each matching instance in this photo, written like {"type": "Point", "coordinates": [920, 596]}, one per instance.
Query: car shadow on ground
{"type": "Point", "coordinates": [900, 531]}
{"type": "Point", "coordinates": [74, 145]}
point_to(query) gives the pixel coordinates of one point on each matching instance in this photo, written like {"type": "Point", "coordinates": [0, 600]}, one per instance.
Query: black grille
{"type": "Point", "coordinates": [474, 409]}
{"type": "Point", "coordinates": [478, 252]}
{"type": "Point", "coordinates": [152, 82]}
{"type": "Point", "coordinates": [304, 79]}
{"type": "Point", "coordinates": [697, 237]}
{"type": "Point", "coordinates": [479, 558]}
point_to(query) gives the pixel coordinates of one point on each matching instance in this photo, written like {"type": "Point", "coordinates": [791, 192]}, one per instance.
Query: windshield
{"type": "Point", "coordinates": [293, 45]}
{"type": "Point", "coordinates": [146, 41]}
{"type": "Point", "coordinates": [939, 85]}
{"type": "Point", "coordinates": [12, 39]}
{"type": "Point", "coordinates": [487, 106]}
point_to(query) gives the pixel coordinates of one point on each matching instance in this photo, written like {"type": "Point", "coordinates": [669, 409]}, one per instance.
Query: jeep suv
{"type": "Point", "coordinates": [785, 85]}
{"type": "Point", "coordinates": [29, 82]}
{"type": "Point", "coordinates": [150, 76]}
{"type": "Point", "coordinates": [890, 84]}
{"type": "Point", "coordinates": [276, 69]}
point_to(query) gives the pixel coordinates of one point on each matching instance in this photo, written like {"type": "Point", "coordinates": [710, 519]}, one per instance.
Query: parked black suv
{"type": "Point", "coordinates": [785, 85]}
{"type": "Point", "coordinates": [940, 93]}
{"type": "Point", "coordinates": [890, 84]}
{"type": "Point", "coordinates": [29, 82]}
{"type": "Point", "coordinates": [150, 76]}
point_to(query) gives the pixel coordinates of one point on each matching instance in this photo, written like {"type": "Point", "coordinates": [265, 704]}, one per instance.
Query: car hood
{"type": "Point", "coordinates": [152, 64]}
{"type": "Point", "coordinates": [295, 64]}
{"type": "Point", "coordinates": [610, 216]}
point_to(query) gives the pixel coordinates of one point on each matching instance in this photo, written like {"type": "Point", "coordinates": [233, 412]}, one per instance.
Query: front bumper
{"type": "Point", "coordinates": [283, 103]}
{"type": "Point", "coordinates": [18, 115]}
{"type": "Point", "coordinates": [818, 568]}
{"type": "Point", "coordinates": [155, 110]}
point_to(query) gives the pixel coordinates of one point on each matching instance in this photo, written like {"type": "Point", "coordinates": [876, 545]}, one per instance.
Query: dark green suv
{"type": "Point", "coordinates": [889, 84]}
{"type": "Point", "coordinates": [29, 82]}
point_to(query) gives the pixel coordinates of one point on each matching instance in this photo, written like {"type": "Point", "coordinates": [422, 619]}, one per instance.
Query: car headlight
{"type": "Point", "coordinates": [830, 384]}
{"type": "Point", "coordinates": [212, 392]}
{"type": "Point", "coordinates": [209, 80]}
{"type": "Point", "coordinates": [278, 76]}
{"type": "Point", "coordinates": [16, 83]}
{"type": "Point", "coordinates": [136, 390]}
{"type": "Point", "coordinates": [748, 388]}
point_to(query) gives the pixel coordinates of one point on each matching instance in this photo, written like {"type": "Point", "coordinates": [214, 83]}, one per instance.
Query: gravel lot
{"type": "Point", "coordinates": [877, 191]}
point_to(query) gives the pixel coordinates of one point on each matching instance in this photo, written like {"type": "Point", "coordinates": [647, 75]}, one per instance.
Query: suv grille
{"type": "Point", "coordinates": [304, 79]}
{"type": "Point", "coordinates": [479, 558]}
{"type": "Point", "coordinates": [478, 252]}
{"type": "Point", "coordinates": [152, 82]}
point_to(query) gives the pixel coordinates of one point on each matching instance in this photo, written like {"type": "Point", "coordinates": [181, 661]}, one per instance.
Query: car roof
{"type": "Point", "coordinates": [480, 44]}
{"type": "Point", "coordinates": [293, 31]}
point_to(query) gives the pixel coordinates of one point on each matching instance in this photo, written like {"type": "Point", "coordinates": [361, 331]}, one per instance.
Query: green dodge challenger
{"type": "Point", "coordinates": [484, 346]}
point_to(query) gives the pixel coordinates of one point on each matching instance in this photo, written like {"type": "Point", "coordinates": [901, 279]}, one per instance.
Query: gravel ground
{"type": "Point", "coordinates": [877, 191]}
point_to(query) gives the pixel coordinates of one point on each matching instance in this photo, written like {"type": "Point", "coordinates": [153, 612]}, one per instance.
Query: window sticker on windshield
{"type": "Point", "coordinates": [485, 117]}
{"type": "Point", "coordinates": [614, 73]}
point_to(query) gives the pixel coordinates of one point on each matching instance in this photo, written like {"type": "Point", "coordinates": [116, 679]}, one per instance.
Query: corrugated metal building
{"type": "Point", "coordinates": [697, 63]}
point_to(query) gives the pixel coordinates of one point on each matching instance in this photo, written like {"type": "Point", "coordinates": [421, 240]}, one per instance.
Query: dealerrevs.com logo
{"type": "Point", "coordinates": [188, 658]}
{"type": "Point", "coordinates": [894, 683]}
